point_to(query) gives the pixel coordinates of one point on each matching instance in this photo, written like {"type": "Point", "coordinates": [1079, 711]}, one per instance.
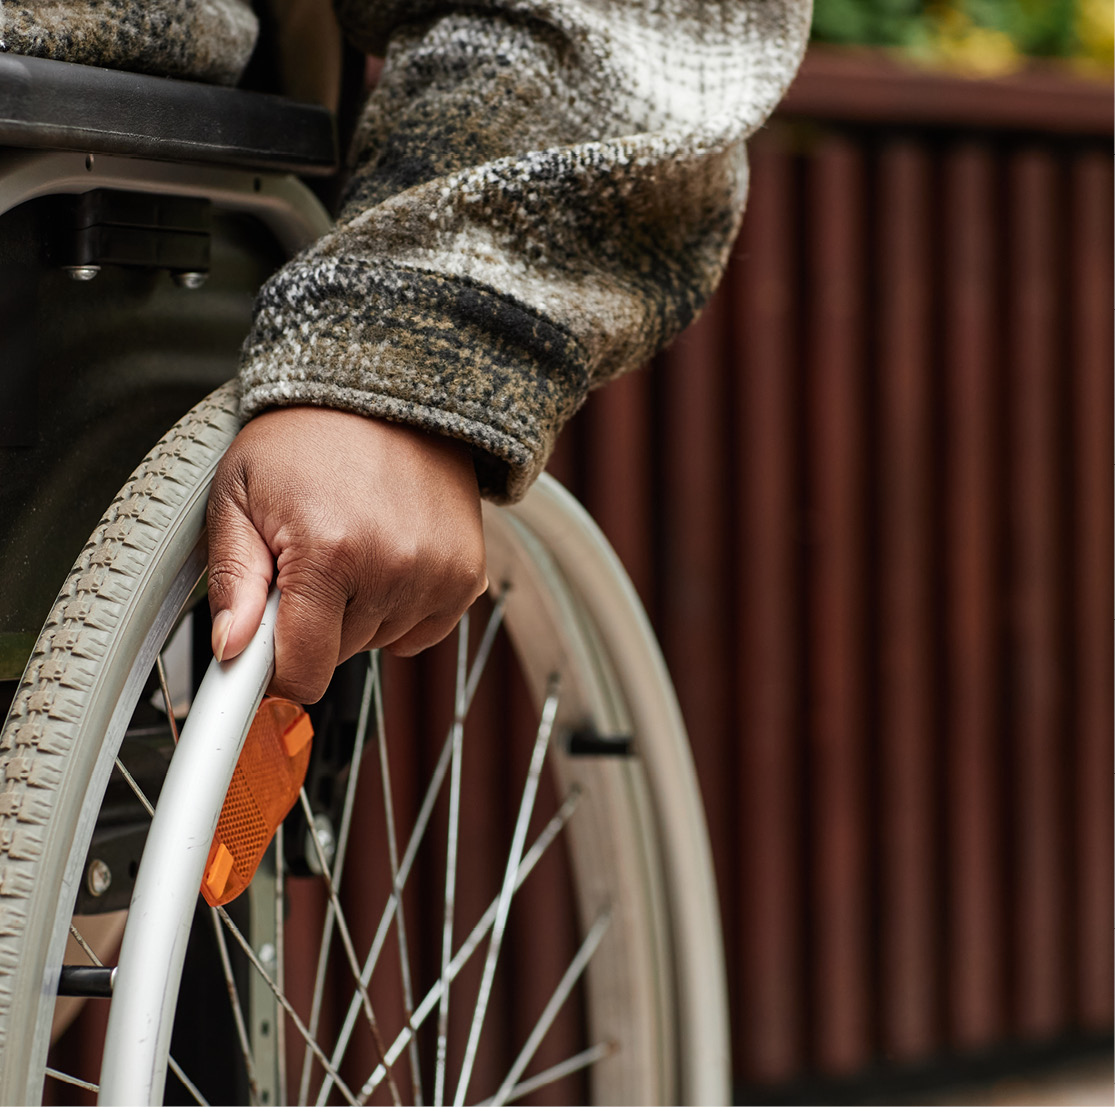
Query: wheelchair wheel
{"type": "Point", "coordinates": [643, 969]}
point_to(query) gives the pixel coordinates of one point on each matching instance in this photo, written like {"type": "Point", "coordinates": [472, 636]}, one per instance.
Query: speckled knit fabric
{"type": "Point", "coordinates": [204, 40]}
{"type": "Point", "coordinates": [545, 192]}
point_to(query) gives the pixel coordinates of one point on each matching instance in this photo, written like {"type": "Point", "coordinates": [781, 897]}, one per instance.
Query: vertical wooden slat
{"type": "Point", "coordinates": [619, 491]}
{"type": "Point", "coordinates": [906, 693]}
{"type": "Point", "coordinates": [694, 623]}
{"type": "Point", "coordinates": [306, 903]}
{"type": "Point", "coordinates": [562, 462]}
{"type": "Point", "coordinates": [545, 936]}
{"type": "Point", "coordinates": [495, 748]}
{"type": "Point", "coordinates": [972, 409]}
{"type": "Point", "coordinates": [838, 718]}
{"type": "Point", "coordinates": [366, 885]}
{"type": "Point", "coordinates": [1034, 492]}
{"type": "Point", "coordinates": [367, 877]}
{"type": "Point", "coordinates": [770, 1011]}
{"type": "Point", "coordinates": [1092, 437]}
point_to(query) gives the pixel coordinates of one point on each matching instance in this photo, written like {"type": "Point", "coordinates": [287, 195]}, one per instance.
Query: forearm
{"type": "Point", "coordinates": [170, 38]}
{"type": "Point", "coordinates": [543, 196]}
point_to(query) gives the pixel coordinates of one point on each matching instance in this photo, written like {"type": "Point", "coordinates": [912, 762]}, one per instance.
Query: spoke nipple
{"type": "Point", "coordinates": [192, 279]}
{"type": "Point", "coordinates": [323, 831]}
{"type": "Point", "coordinates": [82, 272]}
{"type": "Point", "coordinates": [98, 878]}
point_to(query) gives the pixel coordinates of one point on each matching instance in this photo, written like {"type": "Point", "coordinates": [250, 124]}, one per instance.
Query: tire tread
{"type": "Point", "coordinates": [42, 726]}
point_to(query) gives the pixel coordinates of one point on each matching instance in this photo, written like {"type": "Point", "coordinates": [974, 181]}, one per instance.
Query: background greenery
{"type": "Point", "coordinates": [980, 36]}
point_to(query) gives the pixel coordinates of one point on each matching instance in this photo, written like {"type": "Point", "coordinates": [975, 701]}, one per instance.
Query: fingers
{"type": "Point", "coordinates": [307, 639]}
{"type": "Point", "coordinates": [240, 569]}
{"type": "Point", "coordinates": [425, 634]}
{"type": "Point", "coordinates": [372, 532]}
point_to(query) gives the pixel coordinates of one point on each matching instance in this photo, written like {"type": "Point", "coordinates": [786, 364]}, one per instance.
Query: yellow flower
{"type": "Point", "coordinates": [1095, 31]}
{"type": "Point", "coordinates": [961, 45]}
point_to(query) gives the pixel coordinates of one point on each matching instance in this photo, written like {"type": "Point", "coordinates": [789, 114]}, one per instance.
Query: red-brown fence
{"type": "Point", "coordinates": [867, 499]}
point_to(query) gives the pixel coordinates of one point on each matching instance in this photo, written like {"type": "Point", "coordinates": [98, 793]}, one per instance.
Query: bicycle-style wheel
{"type": "Point", "coordinates": [644, 967]}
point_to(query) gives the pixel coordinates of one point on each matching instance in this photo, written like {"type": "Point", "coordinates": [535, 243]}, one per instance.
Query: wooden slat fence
{"type": "Point", "coordinates": [871, 518]}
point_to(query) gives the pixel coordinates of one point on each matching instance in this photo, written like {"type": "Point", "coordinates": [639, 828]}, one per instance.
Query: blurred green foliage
{"type": "Point", "coordinates": [987, 36]}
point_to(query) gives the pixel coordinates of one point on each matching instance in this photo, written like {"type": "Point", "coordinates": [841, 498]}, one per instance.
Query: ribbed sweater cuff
{"type": "Point", "coordinates": [443, 354]}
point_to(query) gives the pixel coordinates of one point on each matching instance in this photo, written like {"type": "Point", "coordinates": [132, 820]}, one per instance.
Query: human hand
{"type": "Point", "coordinates": [374, 529]}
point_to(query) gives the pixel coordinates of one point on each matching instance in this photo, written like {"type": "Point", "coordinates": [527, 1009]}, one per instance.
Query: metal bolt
{"type": "Point", "coordinates": [323, 829]}
{"type": "Point", "coordinates": [82, 272]}
{"type": "Point", "coordinates": [190, 279]}
{"type": "Point", "coordinates": [99, 877]}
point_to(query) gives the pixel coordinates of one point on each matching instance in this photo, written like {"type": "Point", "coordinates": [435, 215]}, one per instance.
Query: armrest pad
{"type": "Point", "coordinates": [55, 105]}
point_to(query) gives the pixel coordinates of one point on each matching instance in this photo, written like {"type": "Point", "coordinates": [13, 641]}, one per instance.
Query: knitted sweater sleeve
{"type": "Point", "coordinates": [544, 193]}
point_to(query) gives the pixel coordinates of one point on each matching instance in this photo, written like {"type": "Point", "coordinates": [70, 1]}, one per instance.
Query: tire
{"type": "Point", "coordinates": [637, 846]}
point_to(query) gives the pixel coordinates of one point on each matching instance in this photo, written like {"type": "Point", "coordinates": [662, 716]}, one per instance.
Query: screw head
{"type": "Point", "coordinates": [98, 877]}
{"type": "Point", "coordinates": [323, 831]}
{"type": "Point", "coordinates": [82, 272]}
{"type": "Point", "coordinates": [190, 279]}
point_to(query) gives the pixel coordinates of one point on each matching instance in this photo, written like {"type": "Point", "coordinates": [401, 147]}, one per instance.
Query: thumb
{"type": "Point", "coordinates": [240, 571]}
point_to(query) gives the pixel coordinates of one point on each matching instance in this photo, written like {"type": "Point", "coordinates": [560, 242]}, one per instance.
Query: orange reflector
{"type": "Point", "coordinates": [216, 876]}
{"type": "Point", "coordinates": [264, 788]}
{"type": "Point", "coordinates": [298, 735]}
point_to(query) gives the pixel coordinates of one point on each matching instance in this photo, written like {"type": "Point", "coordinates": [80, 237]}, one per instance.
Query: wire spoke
{"type": "Point", "coordinates": [451, 859]}
{"type": "Point", "coordinates": [487, 640]}
{"type": "Point", "coordinates": [483, 653]}
{"type": "Point", "coordinates": [237, 1008]}
{"type": "Point", "coordinates": [467, 682]}
{"type": "Point", "coordinates": [134, 785]}
{"type": "Point", "coordinates": [165, 688]}
{"type": "Point", "coordinates": [570, 1065]}
{"type": "Point", "coordinates": [280, 957]}
{"type": "Point", "coordinates": [541, 844]}
{"type": "Point", "coordinates": [187, 1083]}
{"type": "Point", "coordinates": [174, 1066]}
{"type": "Point", "coordinates": [371, 679]}
{"type": "Point", "coordinates": [66, 1078]}
{"type": "Point", "coordinates": [346, 941]}
{"type": "Point", "coordinates": [400, 917]}
{"type": "Point", "coordinates": [310, 1041]}
{"type": "Point", "coordinates": [526, 809]}
{"type": "Point", "coordinates": [549, 1013]}
{"type": "Point", "coordinates": [77, 937]}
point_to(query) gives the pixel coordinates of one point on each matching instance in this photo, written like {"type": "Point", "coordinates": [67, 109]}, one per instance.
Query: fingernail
{"type": "Point", "coordinates": [222, 624]}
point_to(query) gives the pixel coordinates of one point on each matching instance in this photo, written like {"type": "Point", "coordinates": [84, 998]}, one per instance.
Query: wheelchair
{"type": "Point", "coordinates": [138, 216]}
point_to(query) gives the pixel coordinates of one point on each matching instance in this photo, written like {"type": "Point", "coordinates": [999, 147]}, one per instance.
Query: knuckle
{"type": "Point", "coordinates": [467, 580]}
{"type": "Point", "coordinates": [224, 576]}
{"type": "Point", "coordinates": [405, 557]}
{"type": "Point", "coordinates": [476, 578]}
{"type": "Point", "coordinates": [335, 541]}
{"type": "Point", "coordinates": [229, 482]}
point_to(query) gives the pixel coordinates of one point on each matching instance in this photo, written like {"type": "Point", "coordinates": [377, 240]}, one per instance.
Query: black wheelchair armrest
{"type": "Point", "coordinates": [55, 105]}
